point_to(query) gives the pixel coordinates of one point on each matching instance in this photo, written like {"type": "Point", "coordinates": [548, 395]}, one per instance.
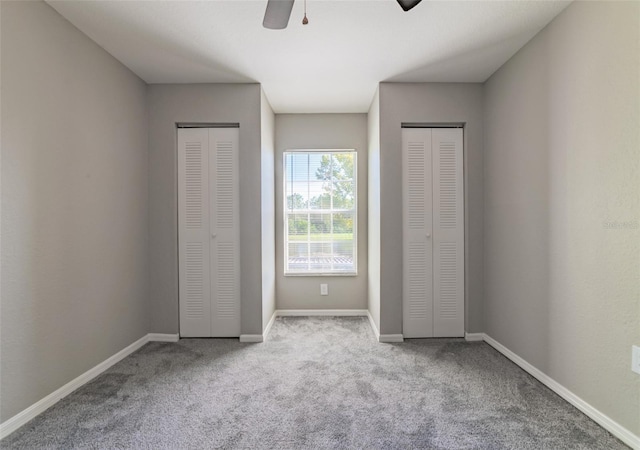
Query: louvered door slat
{"type": "Point", "coordinates": [225, 184]}
{"type": "Point", "coordinates": [416, 185]}
{"type": "Point", "coordinates": [193, 233]}
{"type": "Point", "coordinates": [418, 308]}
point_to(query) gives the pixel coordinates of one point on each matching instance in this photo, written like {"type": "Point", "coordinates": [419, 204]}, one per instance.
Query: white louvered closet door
{"type": "Point", "coordinates": [448, 233]}
{"type": "Point", "coordinates": [417, 240]}
{"type": "Point", "coordinates": [193, 232]}
{"type": "Point", "coordinates": [225, 238]}
{"type": "Point", "coordinates": [208, 240]}
{"type": "Point", "coordinates": [433, 240]}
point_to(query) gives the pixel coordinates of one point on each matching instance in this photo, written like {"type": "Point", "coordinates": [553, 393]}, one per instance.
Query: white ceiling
{"type": "Point", "coordinates": [333, 64]}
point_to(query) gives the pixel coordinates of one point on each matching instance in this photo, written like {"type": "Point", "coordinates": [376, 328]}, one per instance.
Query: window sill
{"type": "Point", "coordinates": [321, 274]}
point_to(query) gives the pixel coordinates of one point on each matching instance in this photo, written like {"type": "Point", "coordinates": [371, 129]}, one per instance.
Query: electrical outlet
{"type": "Point", "coordinates": [635, 358]}
{"type": "Point", "coordinates": [324, 289]}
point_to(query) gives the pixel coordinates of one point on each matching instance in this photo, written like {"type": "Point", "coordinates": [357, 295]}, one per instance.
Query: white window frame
{"type": "Point", "coordinates": [309, 211]}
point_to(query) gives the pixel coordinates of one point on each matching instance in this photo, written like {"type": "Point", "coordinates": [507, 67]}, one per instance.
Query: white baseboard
{"type": "Point", "coordinates": [255, 338]}
{"type": "Point", "coordinates": [321, 312]}
{"type": "Point", "coordinates": [385, 338]}
{"type": "Point", "coordinates": [602, 419]}
{"type": "Point", "coordinates": [267, 329]}
{"type": "Point", "coordinates": [251, 338]}
{"type": "Point", "coordinates": [160, 337]}
{"type": "Point", "coordinates": [374, 328]}
{"type": "Point", "coordinates": [342, 312]}
{"type": "Point", "coordinates": [473, 337]}
{"type": "Point", "coordinates": [301, 313]}
{"type": "Point", "coordinates": [391, 338]}
{"type": "Point", "coordinates": [9, 426]}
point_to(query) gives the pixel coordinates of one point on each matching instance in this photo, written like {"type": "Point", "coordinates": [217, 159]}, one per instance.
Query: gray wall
{"type": "Point", "coordinates": [373, 183]}
{"type": "Point", "coordinates": [562, 204]}
{"type": "Point", "coordinates": [428, 103]}
{"type": "Point", "coordinates": [213, 103]}
{"type": "Point", "coordinates": [267, 155]}
{"type": "Point", "coordinates": [330, 131]}
{"type": "Point", "coordinates": [74, 205]}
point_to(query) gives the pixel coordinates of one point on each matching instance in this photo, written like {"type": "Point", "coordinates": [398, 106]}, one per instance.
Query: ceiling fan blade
{"type": "Point", "coordinates": [276, 17]}
{"type": "Point", "coordinates": [408, 4]}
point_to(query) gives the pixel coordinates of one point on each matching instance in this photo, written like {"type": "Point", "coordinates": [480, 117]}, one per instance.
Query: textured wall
{"type": "Point", "coordinates": [212, 103]}
{"type": "Point", "coordinates": [562, 204]}
{"type": "Point", "coordinates": [428, 103]}
{"type": "Point", "coordinates": [330, 131]}
{"type": "Point", "coordinates": [268, 217]}
{"type": "Point", "coordinates": [74, 205]}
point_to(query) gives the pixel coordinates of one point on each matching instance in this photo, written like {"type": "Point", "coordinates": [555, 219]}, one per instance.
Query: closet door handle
{"type": "Point", "coordinates": [213, 235]}
{"type": "Point", "coordinates": [428, 235]}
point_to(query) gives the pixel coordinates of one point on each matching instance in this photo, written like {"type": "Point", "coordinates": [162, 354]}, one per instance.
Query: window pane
{"type": "Point", "coordinates": [320, 194]}
{"type": "Point", "coordinates": [320, 256]}
{"type": "Point", "coordinates": [298, 227]}
{"type": "Point", "coordinates": [343, 255]}
{"type": "Point", "coordinates": [343, 226]}
{"type": "Point", "coordinates": [320, 227]}
{"type": "Point", "coordinates": [297, 200]}
{"type": "Point", "coordinates": [318, 167]}
{"type": "Point", "coordinates": [298, 256]}
{"type": "Point", "coordinates": [343, 195]}
{"type": "Point", "coordinates": [322, 201]}
{"type": "Point", "coordinates": [342, 164]}
{"type": "Point", "coordinates": [298, 169]}
{"type": "Point", "coordinates": [343, 249]}
{"type": "Point", "coordinates": [299, 250]}
{"type": "Point", "coordinates": [321, 250]}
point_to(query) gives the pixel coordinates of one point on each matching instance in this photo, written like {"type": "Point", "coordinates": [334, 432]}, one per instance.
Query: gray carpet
{"type": "Point", "coordinates": [316, 383]}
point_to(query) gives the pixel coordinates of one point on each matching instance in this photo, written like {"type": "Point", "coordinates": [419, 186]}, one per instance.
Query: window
{"type": "Point", "coordinates": [320, 212]}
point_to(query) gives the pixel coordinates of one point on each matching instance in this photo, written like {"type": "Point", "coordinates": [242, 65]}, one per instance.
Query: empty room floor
{"type": "Point", "coordinates": [317, 382]}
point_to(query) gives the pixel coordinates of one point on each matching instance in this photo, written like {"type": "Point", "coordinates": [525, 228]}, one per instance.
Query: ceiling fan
{"type": "Point", "coordinates": [276, 17]}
